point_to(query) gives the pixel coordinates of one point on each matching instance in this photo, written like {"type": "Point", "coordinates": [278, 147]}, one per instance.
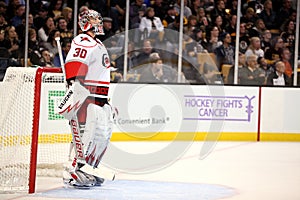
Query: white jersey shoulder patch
{"type": "Point", "coordinates": [84, 40]}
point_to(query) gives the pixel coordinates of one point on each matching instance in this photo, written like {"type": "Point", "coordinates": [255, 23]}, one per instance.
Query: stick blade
{"type": "Point", "coordinates": [102, 172]}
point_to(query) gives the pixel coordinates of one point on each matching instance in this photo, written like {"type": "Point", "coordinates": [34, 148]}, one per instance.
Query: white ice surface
{"type": "Point", "coordinates": [233, 170]}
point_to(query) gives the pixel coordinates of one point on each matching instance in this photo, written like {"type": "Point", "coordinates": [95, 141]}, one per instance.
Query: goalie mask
{"type": "Point", "coordinates": [91, 20]}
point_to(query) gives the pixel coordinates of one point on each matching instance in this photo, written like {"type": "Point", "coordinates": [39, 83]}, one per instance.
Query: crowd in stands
{"type": "Point", "coordinates": [266, 38]}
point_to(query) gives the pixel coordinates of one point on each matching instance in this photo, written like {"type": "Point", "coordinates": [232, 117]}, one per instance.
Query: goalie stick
{"type": "Point", "coordinates": [76, 143]}
{"type": "Point", "coordinates": [65, 82]}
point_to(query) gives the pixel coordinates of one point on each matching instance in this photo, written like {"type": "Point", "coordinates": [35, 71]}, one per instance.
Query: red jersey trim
{"type": "Point", "coordinates": [97, 82]}
{"type": "Point", "coordinates": [84, 45]}
{"type": "Point", "coordinates": [97, 90]}
{"type": "Point", "coordinates": [75, 69]}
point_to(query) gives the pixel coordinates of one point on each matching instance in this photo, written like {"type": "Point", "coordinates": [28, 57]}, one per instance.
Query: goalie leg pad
{"type": "Point", "coordinates": [97, 133]}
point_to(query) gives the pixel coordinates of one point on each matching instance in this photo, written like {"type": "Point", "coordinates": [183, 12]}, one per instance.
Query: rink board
{"type": "Point", "coordinates": [157, 112]}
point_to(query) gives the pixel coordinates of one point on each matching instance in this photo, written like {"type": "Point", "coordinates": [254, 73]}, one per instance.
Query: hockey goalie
{"type": "Point", "coordinates": [87, 71]}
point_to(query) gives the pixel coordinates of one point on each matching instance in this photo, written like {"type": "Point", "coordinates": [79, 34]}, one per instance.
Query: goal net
{"type": "Point", "coordinates": [32, 140]}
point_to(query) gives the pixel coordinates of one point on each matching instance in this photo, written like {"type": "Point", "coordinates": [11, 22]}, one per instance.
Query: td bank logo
{"type": "Point", "coordinates": [54, 98]}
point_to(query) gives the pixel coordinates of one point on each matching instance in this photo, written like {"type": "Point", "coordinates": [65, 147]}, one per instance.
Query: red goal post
{"type": "Point", "coordinates": [23, 148]}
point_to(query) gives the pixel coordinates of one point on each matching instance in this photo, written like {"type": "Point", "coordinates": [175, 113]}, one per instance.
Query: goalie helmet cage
{"type": "Point", "coordinates": [20, 102]}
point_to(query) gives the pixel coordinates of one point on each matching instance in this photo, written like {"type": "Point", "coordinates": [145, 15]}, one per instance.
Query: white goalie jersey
{"type": "Point", "coordinates": [82, 63]}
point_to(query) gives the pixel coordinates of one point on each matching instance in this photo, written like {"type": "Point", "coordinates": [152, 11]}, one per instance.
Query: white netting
{"type": "Point", "coordinates": [16, 123]}
{"type": "Point", "coordinates": [53, 148]}
{"type": "Point", "coordinates": [16, 97]}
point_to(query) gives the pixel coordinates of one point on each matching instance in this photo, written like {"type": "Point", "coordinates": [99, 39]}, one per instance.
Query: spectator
{"type": "Point", "coordinates": [119, 7]}
{"type": "Point", "coordinates": [67, 13]}
{"type": "Point", "coordinates": [51, 44]}
{"type": "Point", "coordinates": [41, 18]}
{"type": "Point", "coordinates": [279, 78]}
{"type": "Point", "coordinates": [3, 8]}
{"type": "Point", "coordinates": [46, 58]}
{"type": "Point", "coordinates": [195, 5]}
{"type": "Point", "coordinates": [219, 10]}
{"type": "Point", "coordinates": [12, 43]}
{"type": "Point", "coordinates": [41, 58]}
{"type": "Point", "coordinates": [266, 40]}
{"type": "Point", "coordinates": [12, 7]}
{"type": "Point", "coordinates": [83, 8]}
{"type": "Point", "coordinates": [131, 59]}
{"type": "Point", "coordinates": [292, 17]}
{"type": "Point", "coordinates": [44, 31]}
{"type": "Point", "coordinates": [4, 54]}
{"type": "Point", "coordinates": [288, 35]}
{"type": "Point", "coordinates": [136, 12]}
{"type": "Point", "coordinates": [199, 43]}
{"type": "Point", "coordinates": [249, 18]}
{"type": "Point", "coordinates": [218, 22]}
{"type": "Point", "coordinates": [256, 5]}
{"type": "Point", "coordinates": [213, 41]}
{"type": "Point", "coordinates": [186, 10]}
{"type": "Point", "coordinates": [170, 16]}
{"type": "Point", "coordinates": [2, 37]}
{"type": "Point", "coordinates": [225, 52]}
{"type": "Point", "coordinates": [151, 26]}
{"type": "Point", "coordinates": [17, 18]}
{"type": "Point", "coordinates": [273, 54]}
{"type": "Point", "coordinates": [159, 9]}
{"type": "Point", "coordinates": [157, 72]}
{"type": "Point", "coordinates": [66, 45]}
{"type": "Point", "coordinates": [244, 38]}
{"type": "Point", "coordinates": [269, 16]}
{"type": "Point", "coordinates": [258, 29]}
{"type": "Point", "coordinates": [233, 7]}
{"type": "Point", "coordinates": [55, 9]}
{"type": "Point", "coordinates": [231, 26]}
{"type": "Point", "coordinates": [268, 69]}
{"type": "Point", "coordinates": [285, 56]}
{"type": "Point", "coordinates": [241, 64]}
{"type": "Point", "coordinates": [251, 74]}
{"type": "Point", "coordinates": [30, 21]}
{"type": "Point", "coordinates": [143, 56]}
{"type": "Point", "coordinates": [33, 43]}
{"type": "Point", "coordinates": [172, 35]}
{"type": "Point", "coordinates": [285, 11]}
{"type": "Point", "coordinates": [62, 26]}
{"type": "Point", "coordinates": [210, 75]}
{"type": "Point", "coordinates": [107, 28]}
{"type": "Point", "coordinates": [3, 22]}
{"type": "Point", "coordinates": [202, 18]}
{"type": "Point", "coordinates": [191, 25]}
{"type": "Point", "coordinates": [108, 38]}
{"type": "Point", "coordinates": [208, 6]}
{"type": "Point", "coordinates": [21, 29]}
{"type": "Point", "coordinates": [255, 48]}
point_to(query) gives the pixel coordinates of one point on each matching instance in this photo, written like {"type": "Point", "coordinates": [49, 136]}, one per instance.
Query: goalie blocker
{"type": "Point", "coordinates": [72, 101]}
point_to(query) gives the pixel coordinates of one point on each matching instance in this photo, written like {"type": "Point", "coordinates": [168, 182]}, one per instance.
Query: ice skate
{"type": "Point", "coordinates": [79, 179]}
